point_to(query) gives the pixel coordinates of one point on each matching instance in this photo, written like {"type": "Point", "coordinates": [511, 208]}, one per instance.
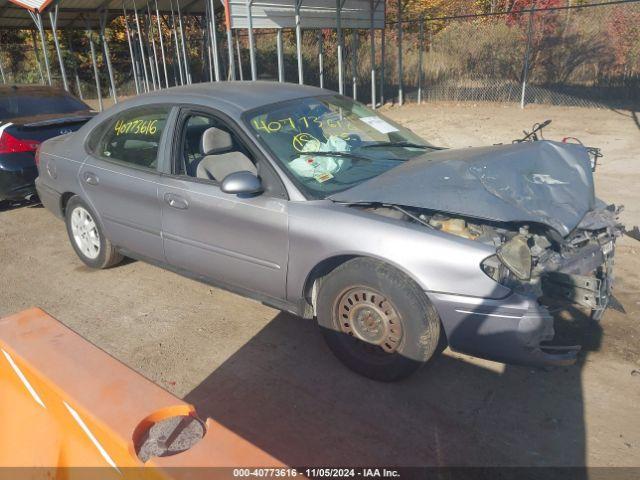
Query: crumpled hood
{"type": "Point", "coordinates": [540, 182]}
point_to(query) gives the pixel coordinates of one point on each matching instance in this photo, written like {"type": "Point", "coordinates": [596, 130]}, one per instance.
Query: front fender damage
{"type": "Point", "coordinates": [540, 267]}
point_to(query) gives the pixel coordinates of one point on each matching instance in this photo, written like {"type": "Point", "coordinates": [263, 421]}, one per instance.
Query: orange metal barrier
{"type": "Point", "coordinates": [66, 403]}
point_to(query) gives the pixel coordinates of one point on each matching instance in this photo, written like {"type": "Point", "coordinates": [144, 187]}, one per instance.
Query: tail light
{"type": "Point", "coordinates": [11, 144]}
{"type": "Point", "coordinates": [37, 155]}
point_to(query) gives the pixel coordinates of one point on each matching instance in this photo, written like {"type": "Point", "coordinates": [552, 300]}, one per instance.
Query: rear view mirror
{"type": "Point", "coordinates": [243, 182]}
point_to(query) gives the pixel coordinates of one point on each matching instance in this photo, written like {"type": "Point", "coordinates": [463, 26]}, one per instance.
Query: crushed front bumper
{"type": "Point", "coordinates": [517, 329]}
{"type": "Point", "coordinates": [510, 330]}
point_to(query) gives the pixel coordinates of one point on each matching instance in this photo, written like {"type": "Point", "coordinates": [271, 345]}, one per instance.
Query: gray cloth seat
{"type": "Point", "coordinates": [220, 157]}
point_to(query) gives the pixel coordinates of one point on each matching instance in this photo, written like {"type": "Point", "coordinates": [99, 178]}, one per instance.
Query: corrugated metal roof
{"type": "Point", "coordinates": [313, 14]}
{"type": "Point", "coordinates": [15, 13]}
{"type": "Point", "coordinates": [30, 4]}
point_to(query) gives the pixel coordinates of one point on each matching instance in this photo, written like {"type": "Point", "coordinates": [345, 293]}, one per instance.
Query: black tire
{"type": "Point", "coordinates": [387, 301]}
{"type": "Point", "coordinates": [107, 255]}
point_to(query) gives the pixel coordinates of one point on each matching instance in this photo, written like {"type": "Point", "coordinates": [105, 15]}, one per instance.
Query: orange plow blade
{"type": "Point", "coordinates": [66, 403]}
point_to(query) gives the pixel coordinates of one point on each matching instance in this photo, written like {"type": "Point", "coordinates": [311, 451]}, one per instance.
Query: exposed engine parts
{"type": "Point", "coordinates": [534, 259]}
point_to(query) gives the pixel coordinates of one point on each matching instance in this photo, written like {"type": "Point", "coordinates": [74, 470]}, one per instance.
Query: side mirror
{"type": "Point", "coordinates": [243, 182]}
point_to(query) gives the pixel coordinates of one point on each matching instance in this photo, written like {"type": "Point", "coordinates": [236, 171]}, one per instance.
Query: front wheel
{"type": "Point", "coordinates": [376, 320]}
{"type": "Point", "coordinates": [87, 238]}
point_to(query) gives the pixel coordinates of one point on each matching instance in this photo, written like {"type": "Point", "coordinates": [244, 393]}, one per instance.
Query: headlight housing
{"type": "Point", "coordinates": [516, 256]}
{"type": "Point", "coordinates": [496, 270]}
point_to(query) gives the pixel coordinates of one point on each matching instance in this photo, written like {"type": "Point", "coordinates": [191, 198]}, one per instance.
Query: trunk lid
{"type": "Point", "coordinates": [541, 182]}
{"type": "Point", "coordinates": [43, 127]}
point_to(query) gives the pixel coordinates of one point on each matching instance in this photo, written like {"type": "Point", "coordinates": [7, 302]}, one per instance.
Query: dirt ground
{"type": "Point", "coordinates": [268, 375]}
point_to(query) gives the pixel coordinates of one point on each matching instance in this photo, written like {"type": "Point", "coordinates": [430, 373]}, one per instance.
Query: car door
{"type": "Point", "coordinates": [239, 242]}
{"type": "Point", "coordinates": [120, 178]}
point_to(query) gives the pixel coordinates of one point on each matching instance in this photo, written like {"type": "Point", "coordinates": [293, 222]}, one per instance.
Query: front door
{"type": "Point", "coordinates": [120, 179]}
{"type": "Point", "coordinates": [238, 242]}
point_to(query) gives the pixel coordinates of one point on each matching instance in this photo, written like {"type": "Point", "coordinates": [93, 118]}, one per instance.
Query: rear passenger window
{"type": "Point", "coordinates": [133, 136]}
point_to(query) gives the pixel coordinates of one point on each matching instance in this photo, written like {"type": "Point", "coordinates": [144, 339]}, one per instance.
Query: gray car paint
{"type": "Point", "coordinates": [244, 239]}
{"type": "Point", "coordinates": [542, 182]}
{"type": "Point", "coordinates": [270, 248]}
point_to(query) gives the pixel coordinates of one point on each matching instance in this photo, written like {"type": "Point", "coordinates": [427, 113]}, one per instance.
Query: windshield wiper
{"type": "Point", "coordinates": [331, 154]}
{"type": "Point", "coordinates": [399, 144]}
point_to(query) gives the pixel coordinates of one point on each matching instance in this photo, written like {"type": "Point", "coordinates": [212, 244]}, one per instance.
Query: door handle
{"type": "Point", "coordinates": [91, 178]}
{"type": "Point", "coordinates": [176, 201]}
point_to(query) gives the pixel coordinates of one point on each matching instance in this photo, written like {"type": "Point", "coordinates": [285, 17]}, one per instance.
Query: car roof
{"type": "Point", "coordinates": [244, 95]}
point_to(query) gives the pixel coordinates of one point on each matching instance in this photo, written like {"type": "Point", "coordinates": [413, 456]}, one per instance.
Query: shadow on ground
{"type": "Point", "coordinates": [11, 205]}
{"type": "Point", "coordinates": [631, 113]}
{"type": "Point", "coordinates": [285, 392]}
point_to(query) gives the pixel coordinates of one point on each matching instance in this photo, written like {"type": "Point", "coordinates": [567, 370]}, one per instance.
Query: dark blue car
{"type": "Point", "coordinates": [28, 116]}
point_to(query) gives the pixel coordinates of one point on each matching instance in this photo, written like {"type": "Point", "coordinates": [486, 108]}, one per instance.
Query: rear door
{"type": "Point", "coordinates": [120, 178]}
{"type": "Point", "coordinates": [237, 241]}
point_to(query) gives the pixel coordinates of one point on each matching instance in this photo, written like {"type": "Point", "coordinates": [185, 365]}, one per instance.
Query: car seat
{"type": "Point", "coordinates": [220, 157]}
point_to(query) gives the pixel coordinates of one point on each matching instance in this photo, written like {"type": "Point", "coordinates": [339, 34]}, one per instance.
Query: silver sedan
{"type": "Point", "coordinates": [317, 205]}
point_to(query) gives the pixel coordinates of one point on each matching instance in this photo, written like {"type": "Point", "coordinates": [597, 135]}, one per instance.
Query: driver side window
{"type": "Point", "coordinates": [211, 151]}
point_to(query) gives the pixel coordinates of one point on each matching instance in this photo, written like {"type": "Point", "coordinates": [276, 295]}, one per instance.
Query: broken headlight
{"type": "Point", "coordinates": [494, 268]}
{"type": "Point", "coordinates": [516, 256]}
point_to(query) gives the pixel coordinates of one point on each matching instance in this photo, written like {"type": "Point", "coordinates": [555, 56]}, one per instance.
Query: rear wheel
{"type": "Point", "coordinates": [87, 238]}
{"type": "Point", "coordinates": [377, 320]}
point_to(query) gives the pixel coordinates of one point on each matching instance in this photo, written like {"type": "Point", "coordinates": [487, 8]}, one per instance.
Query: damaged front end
{"type": "Point", "coordinates": [577, 268]}
{"type": "Point", "coordinates": [540, 267]}
{"type": "Point", "coordinates": [534, 203]}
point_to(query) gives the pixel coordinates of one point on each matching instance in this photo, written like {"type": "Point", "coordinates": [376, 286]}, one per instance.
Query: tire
{"type": "Point", "coordinates": [376, 320]}
{"type": "Point", "coordinates": [86, 236]}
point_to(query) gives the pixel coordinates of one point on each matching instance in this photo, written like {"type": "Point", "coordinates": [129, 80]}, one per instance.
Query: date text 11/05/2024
{"type": "Point", "coordinates": [317, 472]}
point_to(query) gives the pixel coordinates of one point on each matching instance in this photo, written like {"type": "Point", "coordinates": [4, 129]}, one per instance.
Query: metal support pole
{"type": "Point", "coordinates": [37, 19]}
{"type": "Point", "coordinates": [75, 68]}
{"type": "Point", "coordinates": [339, 35]}
{"type": "Point", "coordinates": [187, 70]}
{"type": "Point", "coordinates": [37, 55]}
{"type": "Point", "coordinates": [206, 44]}
{"type": "Point", "coordinates": [95, 65]}
{"type": "Point", "coordinates": [252, 53]}
{"type": "Point", "coordinates": [164, 59]}
{"type": "Point", "coordinates": [231, 73]}
{"type": "Point", "coordinates": [142, 55]}
{"type": "Point", "coordinates": [133, 64]}
{"type": "Point", "coordinates": [525, 71]}
{"type": "Point", "coordinates": [354, 63]}
{"type": "Point", "coordinates": [53, 18]}
{"type": "Point", "coordinates": [321, 57]}
{"type": "Point", "coordinates": [280, 55]}
{"type": "Point", "coordinates": [153, 44]}
{"type": "Point", "coordinates": [213, 37]}
{"type": "Point", "coordinates": [240, 72]}
{"type": "Point", "coordinates": [420, 56]}
{"type": "Point", "coordinates": [4, 80]}
{"type": "Point", "coordinates": [207, 58]}
{"type": "Point", "coordinates": [400, 85]}
{"type": "Point", "coordinates": [382, 63]}
{"type": "Point", "coordinates": [299, 43]}
{"type": "Point", "coordinates": [170, 57]}
{"type": "Point", "coordinates": [178, 58]}
{"type": "Point", "coordinates": [145, 31]}
{"type": "Point", "coordinates": [107, 56]}
{"type": "Point", "coordinates": [372, 54]}
{"type": "Point", "coordinates": [176, 43]}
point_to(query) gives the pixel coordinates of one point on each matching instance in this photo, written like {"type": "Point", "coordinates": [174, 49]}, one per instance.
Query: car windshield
{"type": "Point", "coordinates": [23, 104]}
{"type": "Point", "coordinates": [328, 144]}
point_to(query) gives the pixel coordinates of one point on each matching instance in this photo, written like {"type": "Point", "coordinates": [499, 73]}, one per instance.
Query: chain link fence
{"type": "Point", "coordinates": [578, 57]}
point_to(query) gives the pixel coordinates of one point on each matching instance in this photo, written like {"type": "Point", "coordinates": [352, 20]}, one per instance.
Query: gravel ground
{"type": "Point", "coordinates": [268, 375]}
